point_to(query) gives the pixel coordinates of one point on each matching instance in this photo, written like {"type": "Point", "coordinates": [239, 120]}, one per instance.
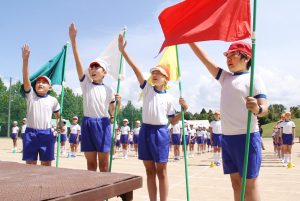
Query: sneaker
{"type": "Point", "coordinates": [218, 164]}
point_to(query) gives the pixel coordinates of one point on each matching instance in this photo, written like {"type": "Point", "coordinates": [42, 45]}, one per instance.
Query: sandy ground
{"type": "Point", "coordinates": [276, 183]}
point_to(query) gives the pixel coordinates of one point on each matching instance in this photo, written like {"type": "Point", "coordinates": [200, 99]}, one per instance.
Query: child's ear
{"type": "Point", "coordinates": [50, 88]}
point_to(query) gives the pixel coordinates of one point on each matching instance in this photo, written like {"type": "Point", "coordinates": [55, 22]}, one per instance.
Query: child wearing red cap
{"type": "Point", "coordinates": [98, 106]}
{"type": "Point", "coordinates": [235, 103]}
{"type": "Point", "coordinates": [154, 137]}
{"type": "Point", "coordinates": [38, 138]}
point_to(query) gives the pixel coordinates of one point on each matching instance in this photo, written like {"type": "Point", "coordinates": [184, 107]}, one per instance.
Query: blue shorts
{"type": "Point", "coordinates": [13, 136]}
{"type": "Point", "coordinates": [233, 149]}
{"type": "Point", "coordinates": [217, 140]}
{"type": "Point", "coordinates": [73, 139]}
{"type": "Point", "coordinates": [287, 139]}
{"type": "Point", "coordinates": [154, 143]}
{"type": "Point", "coordinates": [199, 140]}
{"type": "Point", "coordinates": [63, 137]}
{"type": "Point", "coordinates": [193, 141]}
{"type": "Point", "coordinates": [208, 141]}
{"type": "Point", "coordinates": [38, 142]}
{"type": "Point", "coordinates": [96, 134]}
{"type": "Point", "coordinates": [176, 139]}
{"type": "Point", "coordinates": [130, 142]}
{"type": "Point", "coordinates": [118, 143]}
{"type": "Point", "coordinates": [124, 139]}
{"type": "Point", "coordinates": [187, 139]}
{"type": "Point", "coordinates": [135, 139]}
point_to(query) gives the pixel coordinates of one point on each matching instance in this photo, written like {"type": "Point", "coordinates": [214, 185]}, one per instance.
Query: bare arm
{"type": "Point", "coordinates": [210, 65]}
{"type": "Point", "coordinates": [73, 34]}
{"type": "Point", "coordinates": [25, 56]}
{"type": "Point", "coordinates": [134, 67]}
{"type": "Point", "coordinates": [112, 106]}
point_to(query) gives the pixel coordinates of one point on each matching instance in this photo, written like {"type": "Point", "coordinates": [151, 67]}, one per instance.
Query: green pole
{"type": "Point", "coordinates": [61, 105]}
{"type": "Point", "coordinates": [9, 106]}
{"type": "Point", "coordinates": [246, 155]}
{"type": "Point", "coordinates": [183, 134]}
{"type": "Point", "coordinates": [116, 111]}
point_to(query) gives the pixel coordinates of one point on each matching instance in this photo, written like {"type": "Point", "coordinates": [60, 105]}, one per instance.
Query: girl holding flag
{"type": "Point", "coordinates": [154, 138]}
{"type": "Point", "coordinates": [235, 104]}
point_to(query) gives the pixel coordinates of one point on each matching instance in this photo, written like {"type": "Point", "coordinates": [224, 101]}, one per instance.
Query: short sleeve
{"type": "Point", "coordinates": [83, 82]}
{"type": "Point", "coordinates": [56, 106]}
{"type": "Point", "coordinates": [259, 88]}
{"type": "Point", "coordinates": [170, 108]}
{"type": "Point", "coordinates": [222, 75]}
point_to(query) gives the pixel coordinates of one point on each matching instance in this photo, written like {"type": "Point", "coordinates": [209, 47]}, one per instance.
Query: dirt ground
{"type": "Point", "coordinates": [276, 183]}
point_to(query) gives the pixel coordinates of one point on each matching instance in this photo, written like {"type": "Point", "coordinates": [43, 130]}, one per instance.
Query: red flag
{"type": "Point", "coordinates": [202, 20]}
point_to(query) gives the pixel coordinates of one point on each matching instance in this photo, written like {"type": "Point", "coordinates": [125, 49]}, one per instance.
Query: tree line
{"type": "Point", "coordinates": [73, 106]}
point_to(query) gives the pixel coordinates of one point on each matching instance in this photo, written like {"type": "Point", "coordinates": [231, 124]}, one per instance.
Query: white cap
{"type": "Point", "coordinates": [137, 121]}
{"type": "Point", "coordinates": [125, 120]}
{"type": "Point", "coordinates": [101, 62]}
{"type": "Point", "coordinates": [15, 122]}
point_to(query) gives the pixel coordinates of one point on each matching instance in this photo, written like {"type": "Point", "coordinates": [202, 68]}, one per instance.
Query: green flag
{"type": "Point", "coordinates": [54, 69]}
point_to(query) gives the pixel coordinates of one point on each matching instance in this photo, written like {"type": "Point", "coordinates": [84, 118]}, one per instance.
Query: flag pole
{"type": "Point", "coordinates": [116, 110]}
{"type": "Point", "coordinates": [183, 132]}
{"type": "Point", "coordinates": [61, 105]}
{"type": "Point", "coordinates": [246, 155]}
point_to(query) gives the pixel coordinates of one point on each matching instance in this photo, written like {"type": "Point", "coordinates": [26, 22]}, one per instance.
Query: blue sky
{"type": "Point", "coordinates": [44, 25]}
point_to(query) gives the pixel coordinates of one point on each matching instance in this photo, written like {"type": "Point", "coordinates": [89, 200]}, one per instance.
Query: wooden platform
{"type": "Point", "coordinates": [29, 182]}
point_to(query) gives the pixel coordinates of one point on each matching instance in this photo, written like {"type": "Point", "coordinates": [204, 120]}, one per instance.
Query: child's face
{"type": "Point", "coordinates": [158, 79]}
{"type": "Point", "coordinates": [42, 87]}
{"type": "Point", "coordinates": [235, 63]}
{"type": "Point", "coordinates": [74, 121]}
{"type": "Point", "coordinates": [137, 125]}
{"type": "Point", "coordinates": [97, 73]}
{"type": "Point", "coordinates": [287, 116]}
{"type": "Point", "coordinates": [125, 123]}
{"type": "Point", "coordinates": [217, 116]}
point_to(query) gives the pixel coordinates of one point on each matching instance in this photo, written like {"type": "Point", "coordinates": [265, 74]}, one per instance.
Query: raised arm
{"type": "Point", "coordinates": [208, 62]}
{"type": "Point", "coordinates": [73, 34]}
{"type": "Point", "coordinates": [134, 67]}
{"type": "Point", "coordinates": [25, 56]}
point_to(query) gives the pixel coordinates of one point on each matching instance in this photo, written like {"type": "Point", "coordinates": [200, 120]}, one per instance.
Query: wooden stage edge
{"type": "Point", "coordinates": [30, 182]}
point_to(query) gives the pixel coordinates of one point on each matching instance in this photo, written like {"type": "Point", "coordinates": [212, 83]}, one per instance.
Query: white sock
{"type": "Point", "coordinates": [289, 158]}
{"type": "Point", "coordinates": [215, 157]}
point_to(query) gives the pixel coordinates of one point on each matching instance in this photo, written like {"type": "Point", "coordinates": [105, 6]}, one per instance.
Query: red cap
{"type": "Point", "coordinates": [241, 47]}
{"type": "Point", "coordinates": [43, 77]}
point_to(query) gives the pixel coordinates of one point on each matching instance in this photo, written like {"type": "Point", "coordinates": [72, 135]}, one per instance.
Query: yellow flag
{"type": "Point", "coordinates": [169, 61]}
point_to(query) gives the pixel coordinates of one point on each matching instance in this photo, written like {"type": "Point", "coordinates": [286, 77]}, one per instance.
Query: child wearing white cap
{"type": "Point", "coordinates": [136, 132]}
{"type": "Point", "coordinates": [154, 137]}
{"type": "Point", "coordinates": [216, 137]}
{"type": "Point", "coordinates": [235, 104]}
{"type": "Point", "coordinates": [63, 137]}
{"type": "Point", "coordinates": [98, 106]}
{"type": "Point", "coordinates": [14, 135]}
{"type": "Point", "coordinates": [287, 133]}
{"type": "Point", "coordinates": [74, 136]}
{"type": "Point", "coordinates": [38, 139]}
{"type": "Point", "coordinates": [125, 129]}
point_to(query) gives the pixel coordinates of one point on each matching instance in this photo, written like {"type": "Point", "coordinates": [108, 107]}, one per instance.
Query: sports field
{"type": "Point", "coordinates": [277, 183]}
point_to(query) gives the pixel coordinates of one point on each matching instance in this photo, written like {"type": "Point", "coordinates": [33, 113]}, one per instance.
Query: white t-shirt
{"type": "Point", "coordinates": [112, 127]}
{"type": "Point", "coordinates": [65, 130]}
{"type": "Point", "coordinates": [74, 129]}
{"type": "Point", "coordinates": [15, 129]}
{"type": "Point", "coordinates": [23, 128]}
{"type": "Point", "coordinates": [125, 130]}
{"type": "Point", "coordinates": [192, 132]}
{"type": "Point", "coordinates": [216, 127]}
{"type": "Point", "coordinates": [136, 131]}
{"type": "Point", "coordinates": [96, 98]}
{"type": "Point", "coordinates": [176, 128]}
{"type": "Point", "coordinates": [287, 127]}
{"type": "Point", "coordinates": [40, 109]}
{"type": "Point", "coordinates": [157, 105]}
{"type": "Point", "coordinates": [234, 114]}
